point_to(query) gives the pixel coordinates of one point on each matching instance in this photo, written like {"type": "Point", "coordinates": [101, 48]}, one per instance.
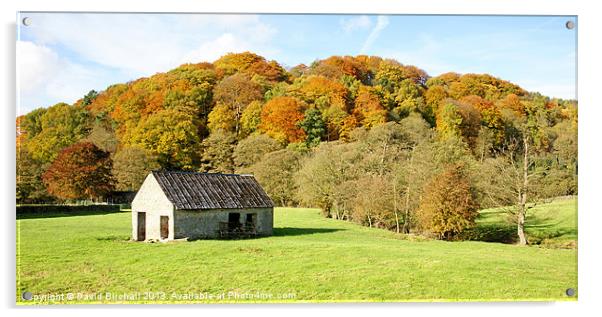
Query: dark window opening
{"type": "Point", "coordinates": [251, 218]}
{"type": "Point", "coordinates": [233, 220]}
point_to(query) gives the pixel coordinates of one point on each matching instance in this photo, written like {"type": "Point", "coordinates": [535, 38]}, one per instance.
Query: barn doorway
{"type": "Point", "coordinates": [141, 226]}
{"type": "Point", "coordinates": [233, 220]}
{"type": "Point", "coordinates": [164, 227]}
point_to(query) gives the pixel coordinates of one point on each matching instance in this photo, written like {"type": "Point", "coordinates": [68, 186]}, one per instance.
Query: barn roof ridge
{"type": "Point", "coordinates": [193, 172]}
{"type": "Point", "coordinates": [201, 191]}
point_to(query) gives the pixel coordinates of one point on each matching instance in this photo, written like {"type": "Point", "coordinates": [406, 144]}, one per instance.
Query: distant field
{"type": "Point", "coordinates": [309, 258]}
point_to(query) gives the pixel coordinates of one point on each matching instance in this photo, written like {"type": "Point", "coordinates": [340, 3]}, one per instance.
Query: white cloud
{"type": "Point", "coordinates": [355, 23]}
{"type": "Point", "coordinates": [36, 65]}
{"type": "Point", "coordinates": [66, 55]}
{"type": "Point", "coordinates": [137, 43]}
{"type": "Point", "coordinates": [44, 78]}
{"type": "Point", "coordinates": [242, 33]}
{"type": "Point", "coordinates": [224, 44]}
{"type": "Point", "coordinates": [381, 24]}
{"type": "Point", "coordinates": [143, 44]}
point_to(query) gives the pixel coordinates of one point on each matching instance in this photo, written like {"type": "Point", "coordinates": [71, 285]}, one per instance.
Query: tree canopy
{"type": "Point", "coordinates": [80, 171]}
{"type": "Point", "coordinates": [336, 134]}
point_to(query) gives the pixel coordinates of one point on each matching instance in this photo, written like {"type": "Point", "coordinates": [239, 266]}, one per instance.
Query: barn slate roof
{"type": "Point", "coordinates": [194, 191]}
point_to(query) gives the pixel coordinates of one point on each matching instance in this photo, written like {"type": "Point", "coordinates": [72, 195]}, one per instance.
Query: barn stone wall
{"type": "Point", "coordinates": [197, 224]}
{"type": "Point", "coordinates": [151, 199]}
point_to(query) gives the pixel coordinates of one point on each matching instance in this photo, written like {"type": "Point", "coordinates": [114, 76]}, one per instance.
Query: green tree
{"type": "Point", "coordinates": [29, 185]}
{"type": "Point", "coordinates": [31, 124]}
{"type": "Point", "coordinates": [459, 120]}
{"type": "Point", "coordinates": [251, 118]}
{"type": "Point", "coordinates": [275, 172]}
{"type": "Point", "coordinates": [251, 149]}
{"type": "Point", "coordinates": [407, 99]}
{"type": "Point", "coordinates": [324, 174]}
{"type": "Point", "coordinates": [314, 127]}
{"type": "Point", "coordinates": [221, 118]}
{"type": "Point", "coordinates": [171, 135]}
{"type": "Point", "coordinates": [379, 213]}
{"type": "Point", "coordinates": [218, 150]}
{"type": "Point", "coordinates": [59, 126]}
{"type": "Point", "coordinates": [89, 97]}
{"type": "Point", "coordinates": [131, 165]}
{"type": "Point", "coordinates": [103, 137]}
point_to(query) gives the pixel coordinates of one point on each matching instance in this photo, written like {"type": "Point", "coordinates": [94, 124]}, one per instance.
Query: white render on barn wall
{"type": "Point", "coordinates": [152, 200]}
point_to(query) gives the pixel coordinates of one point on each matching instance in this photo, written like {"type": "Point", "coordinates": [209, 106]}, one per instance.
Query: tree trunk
{"type": "Point", "coordinates": [406, 217]}
{"type": "Point", "coordinates": [522, 204]}
{"type": "Point", "coordinates": [395, 207]}
{"type": "Point", "coordinates": [521, 226]}
{"type": "Point", "coordinates": [382, 158]}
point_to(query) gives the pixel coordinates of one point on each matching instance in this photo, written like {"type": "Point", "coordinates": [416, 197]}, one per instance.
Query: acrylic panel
{"type": "Point", "coordinates": [290, 158]}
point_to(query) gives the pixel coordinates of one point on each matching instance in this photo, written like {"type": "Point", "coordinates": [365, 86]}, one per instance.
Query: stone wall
{"type": "Point", "coordinates": [198, 224]}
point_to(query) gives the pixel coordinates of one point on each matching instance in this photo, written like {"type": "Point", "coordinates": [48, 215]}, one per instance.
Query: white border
{"type": "Point", "coordinates": [590, 114]}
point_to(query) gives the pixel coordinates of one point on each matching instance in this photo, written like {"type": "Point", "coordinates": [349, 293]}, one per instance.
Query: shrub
{"type": "Point", "coordinates": [449, 205]}
{"type": "Point", "coordinates": [65, 209]}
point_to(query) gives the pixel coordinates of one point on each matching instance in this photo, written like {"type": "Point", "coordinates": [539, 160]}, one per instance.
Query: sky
{"type": "Point", "coordinates": [62, 56]}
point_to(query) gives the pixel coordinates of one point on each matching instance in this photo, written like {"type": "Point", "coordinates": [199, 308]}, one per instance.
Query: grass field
{"type": "Point", "coordinates": [550, 225]}
{"type": "Point", "coordinates": [309, 258]}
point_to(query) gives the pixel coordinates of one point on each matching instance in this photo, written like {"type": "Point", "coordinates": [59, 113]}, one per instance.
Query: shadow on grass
{"type": "Point", "coordinates": [66, 214]}
{"type": "Point", "coordinates": [491, 228]}
{"type": "Point", "coordinates": [490, 233]}
{"type": "Point", "coordinates": [288, 231]}
{"type": "Point", "coordinates": [541, 230]}
{"type": "Point", "coordinates": [114, 238]}
{"type": "Point", "coordinates": [276, 232]}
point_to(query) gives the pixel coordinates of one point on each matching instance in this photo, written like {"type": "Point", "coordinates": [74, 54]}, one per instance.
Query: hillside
{"type": "Point", "coordinates": [309, 258]}
{"type": "Point", "coordinates": [331, 135]}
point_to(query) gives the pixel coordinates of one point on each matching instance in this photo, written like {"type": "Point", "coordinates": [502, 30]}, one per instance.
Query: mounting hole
{"type": "Point", "coordinates": [27, 295]}
{"type": "Point", "coordinates": [570, 292]}
{"type": "Point", "coordinates": [570, 25]}
{"type": "Point", "coordinates": [26, 21]}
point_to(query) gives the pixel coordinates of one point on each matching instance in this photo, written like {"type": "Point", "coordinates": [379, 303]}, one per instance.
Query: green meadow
{"type": "Point", "coordinates": [89, 259]}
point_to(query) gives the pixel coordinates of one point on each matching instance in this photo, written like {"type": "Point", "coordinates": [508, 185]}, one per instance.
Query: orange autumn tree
{"type": "Point", "coordinates": [279, 118]}
{"type": "Point", "coordinates": [368, 108]}
{"type": "Point", "coordinates": [449, 205]}
{"type": "Point", "coordinates": [81, 171]}
{"type": "Point", "coordinates": [322, 92]}
{"type": "Point", "coordinates": [433, 98]}
{"type": "Point", "coordinates": [247, 62]}
{"type": "Point", "coordinates": [236, 92]}
{"type": "Point", "coordinates": [460, 120]}
{"type": "Point", "coordinates": [491, 116]}
{"type": "Point", "coordinates": [513, 103]}
{"type": "Point", "coordinates": [329, 96]}
{"type": "Point", "coordinates": [335, 67]}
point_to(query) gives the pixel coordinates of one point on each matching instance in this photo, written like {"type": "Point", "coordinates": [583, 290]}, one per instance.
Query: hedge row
{"type": "Point", "coordinates": [65, 209]}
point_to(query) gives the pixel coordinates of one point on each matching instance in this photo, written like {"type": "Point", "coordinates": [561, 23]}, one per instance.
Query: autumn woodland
{"type": "Point", "coordinates": [366, 139]}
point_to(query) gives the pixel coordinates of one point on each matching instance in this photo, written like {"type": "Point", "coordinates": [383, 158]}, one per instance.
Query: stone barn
{"type": "Point", "coordinates": [177, 205]}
